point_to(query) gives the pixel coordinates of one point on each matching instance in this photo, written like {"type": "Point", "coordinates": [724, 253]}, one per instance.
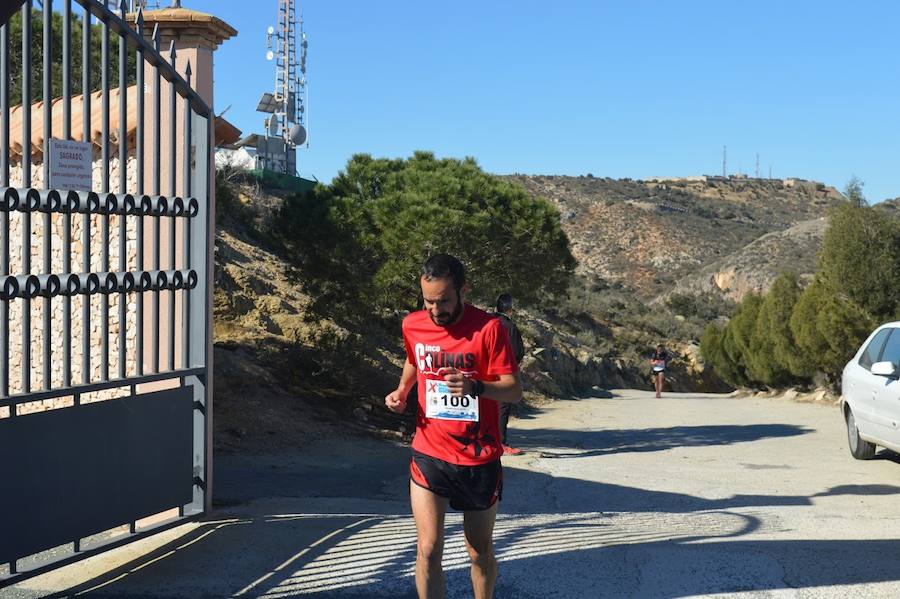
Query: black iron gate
{"type": "Point", "coordinates": [104, 294]}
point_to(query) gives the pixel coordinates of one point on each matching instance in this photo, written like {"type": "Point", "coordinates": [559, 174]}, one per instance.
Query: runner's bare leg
{"type": "Point", "coordinates": [428, 510]}
{"type": "Point", "coordinates": [479, 532]}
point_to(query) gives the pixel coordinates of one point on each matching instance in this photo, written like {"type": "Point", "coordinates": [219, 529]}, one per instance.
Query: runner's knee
{"type": "Point", "coordinates": [480, 550]}
{"type": "Point", "coordinates": [431, 550]}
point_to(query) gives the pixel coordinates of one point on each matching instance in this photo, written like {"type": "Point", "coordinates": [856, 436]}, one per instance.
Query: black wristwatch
{"type": "Point", "coordinates": [478, 388]}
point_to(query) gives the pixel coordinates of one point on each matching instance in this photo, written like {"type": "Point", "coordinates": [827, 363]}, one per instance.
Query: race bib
{"type": "Point", "coordinates": [439, 403]}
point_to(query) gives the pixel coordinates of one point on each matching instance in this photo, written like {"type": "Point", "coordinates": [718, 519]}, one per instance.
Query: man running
{"type": "Point", "coordinates": [464, 365]}
{"type": "Point", "coordinates": [504, 312]}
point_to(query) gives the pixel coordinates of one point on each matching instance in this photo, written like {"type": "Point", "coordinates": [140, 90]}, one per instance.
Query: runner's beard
{"type": "Point", "coordinates": [446, 318]}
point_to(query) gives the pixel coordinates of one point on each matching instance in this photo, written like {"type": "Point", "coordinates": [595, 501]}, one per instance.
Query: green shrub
{"type": "Point", "coordinates": [775, 317]}
{"type": "Point", "coordinates": [363, 238]}
{"type": "Point", "coordinates": [828, 328]}
{"type": "Point", "coordinates": [860, 258]}
{"type": "Point", "coordinates": [713, 350]}
{"type": "Point", "coordinates": [705, 306]}
{"type": "Point", "coordinates": [742, 326]}
{"type": "Point", "coordinates": [775, 358]}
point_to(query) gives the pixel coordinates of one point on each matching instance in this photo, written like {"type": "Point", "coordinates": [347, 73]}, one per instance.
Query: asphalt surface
{"type": "Point", "coordinates": [624, 496]}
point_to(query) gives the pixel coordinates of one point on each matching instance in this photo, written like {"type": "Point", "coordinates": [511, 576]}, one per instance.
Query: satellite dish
{"type": "Point", "coordinates": [270, 30]}
{"type": "Point", "coordinates": [269, 55]}
{"type": "Point", "coordinates": [273, 126]}
{"type": "Point", "coordinates": [298, 134]}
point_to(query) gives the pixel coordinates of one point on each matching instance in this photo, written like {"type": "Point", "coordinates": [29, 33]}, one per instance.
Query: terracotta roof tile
{"type": "Point", "coordinates": [225, 132]}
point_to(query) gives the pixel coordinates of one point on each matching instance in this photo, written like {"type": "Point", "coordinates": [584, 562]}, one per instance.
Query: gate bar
{"type": "Point", "coordinates": [86, 220]}
{"type": "Point", "coordinates": [139, 160]}
{"type": "Point", "coordinates": [186, 241]}
{"type": "Point", "coordinates": [47, 75]}
{"type": "Point", "coordinates": [157, 135]}
{"type": "Point", "coordinates": [4, 178]}
{"type": "Point", "coordinates": [19, 398]}
{"type": "Point", "coordinates": [26, 182]}
{"type": "Point", "coordinates": [104, 218]}
{"type": "Point", "coordinates": [173, 124]}
{"type": "Point", "coordinates": [123, 183]}
{"type": "Point", "coordinates": [67, 69]}
{"type": "Point", "coordinates": [67, 218]}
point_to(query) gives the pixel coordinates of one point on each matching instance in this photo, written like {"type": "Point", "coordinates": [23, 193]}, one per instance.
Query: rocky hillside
{"type": "Point", "coordinates": [754, 266]}
{"type": "Point", "coordinates": [652, 235]}
{"type": "Point", "coordinates": [285, 375]}
{"type": "Point", "coordinates": [653, 256]}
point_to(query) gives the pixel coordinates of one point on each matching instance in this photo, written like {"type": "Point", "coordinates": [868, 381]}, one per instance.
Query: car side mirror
{"type": "Point", "coordinates": [887, 369]}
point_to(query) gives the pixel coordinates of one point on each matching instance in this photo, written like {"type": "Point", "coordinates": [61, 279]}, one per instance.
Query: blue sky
{"type": "Point", "coordinates": [633, 88]}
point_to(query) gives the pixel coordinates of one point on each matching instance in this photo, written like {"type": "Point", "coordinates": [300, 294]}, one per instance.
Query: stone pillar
{"type": "Point", "coordinates": [197, 36]}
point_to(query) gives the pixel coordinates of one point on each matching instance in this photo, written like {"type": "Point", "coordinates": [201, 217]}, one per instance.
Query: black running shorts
{"type": "Point", "coordinates": [469, 488]}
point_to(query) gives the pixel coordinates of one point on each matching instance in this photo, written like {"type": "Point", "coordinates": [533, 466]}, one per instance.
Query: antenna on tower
{"type": "Point", "coordinates": [757, 165]}
{"type": "Point", "coordinates": [287, 103]}
{"type": "Point", "coordinates": [724, 161]}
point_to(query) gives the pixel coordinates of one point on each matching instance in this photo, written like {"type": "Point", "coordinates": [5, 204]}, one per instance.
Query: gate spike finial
{"type": "Point", "coordinates": [139, 20]}
{"type": "Point", "coordinates": [155, 37]}
{"type": "Point", "coordinates": [123, 8]}
{"type": "Point", "coordinates": [187, 72]}
{"type": "Point", "coordinates": [172, 53]}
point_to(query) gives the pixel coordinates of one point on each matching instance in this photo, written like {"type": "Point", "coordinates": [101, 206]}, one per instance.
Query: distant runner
{"type": "Point", "coordinates": [659, 361]}
{"type": "Point", "coordinates": [464, 365]}
{"type": "Point", "coordinates": [504, 312]}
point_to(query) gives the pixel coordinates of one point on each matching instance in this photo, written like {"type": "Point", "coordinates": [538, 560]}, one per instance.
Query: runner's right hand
{"type": "Point", "coordinates": [395, 401]}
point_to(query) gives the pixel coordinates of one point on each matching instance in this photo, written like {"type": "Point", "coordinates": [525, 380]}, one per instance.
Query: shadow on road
{"type": "Point", "coordinates": [582, 531]}
{"type": "Point", "coordinates": [363, 468]}
{"type": "Point", "coordinates": [572, 495]}
{"type": "Point", "coordinates": [602, 442]}
{"type": "Point", "coordinates": [287, 530]}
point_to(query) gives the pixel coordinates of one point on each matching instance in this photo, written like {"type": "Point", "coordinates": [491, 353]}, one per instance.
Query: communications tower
{"type": "Point", "coordinates": [285, 126]}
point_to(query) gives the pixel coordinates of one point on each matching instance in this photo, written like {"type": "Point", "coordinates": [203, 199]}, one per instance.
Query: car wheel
{"type": "Point", "coordinates": [859, 447]}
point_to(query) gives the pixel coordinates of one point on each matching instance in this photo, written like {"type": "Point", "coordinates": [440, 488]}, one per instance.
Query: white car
{"type": "Point", "coordinates": [871, 393]}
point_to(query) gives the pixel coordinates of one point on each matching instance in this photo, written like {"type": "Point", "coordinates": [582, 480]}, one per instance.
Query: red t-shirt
{"type": "Point", "coordinates": [478, 346]}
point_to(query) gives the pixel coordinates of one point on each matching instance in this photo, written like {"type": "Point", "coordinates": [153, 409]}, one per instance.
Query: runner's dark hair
{"type": "Point", "coordinates": [504, 302]}
{"type": "Point", "coordinates": [445, 266]}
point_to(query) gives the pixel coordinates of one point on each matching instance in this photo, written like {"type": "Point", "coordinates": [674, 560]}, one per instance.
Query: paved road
{"type": "Point", "coordinates": [623, 496]}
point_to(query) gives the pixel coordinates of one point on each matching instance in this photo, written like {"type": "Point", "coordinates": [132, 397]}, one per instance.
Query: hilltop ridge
{"type": "Point", "coordinates": [652, 235]}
